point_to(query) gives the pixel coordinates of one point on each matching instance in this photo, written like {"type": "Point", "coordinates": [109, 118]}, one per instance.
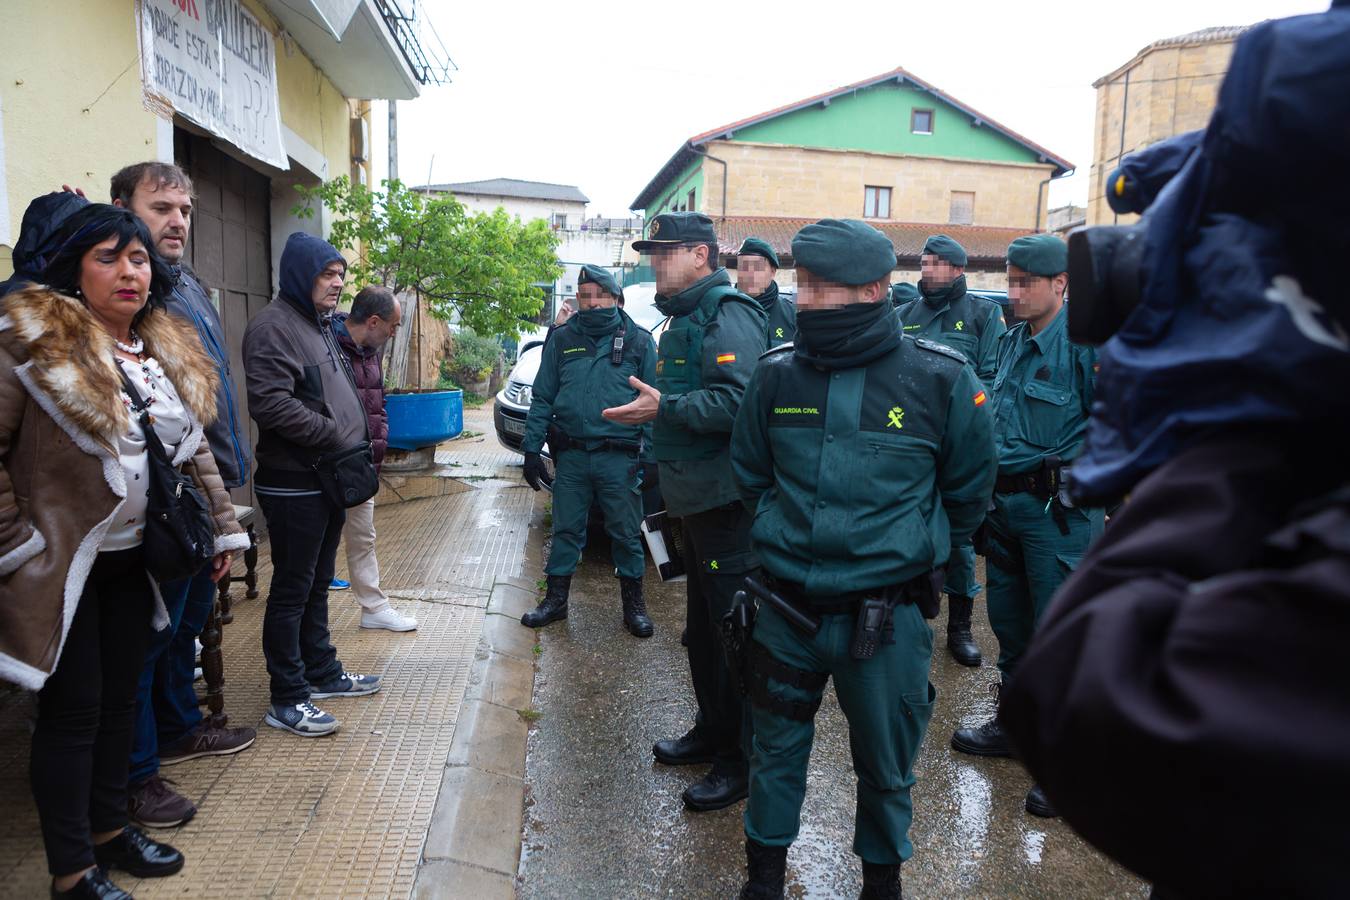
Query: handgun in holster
{"type": "Point", "coordinates": [558, 441]}
{"type": "Point", "coordinates": [737, 632]}
{"type": "Point", "coordinates": [1053, 467]}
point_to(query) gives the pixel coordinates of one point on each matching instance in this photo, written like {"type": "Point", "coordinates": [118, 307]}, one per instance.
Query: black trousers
{"type": "Point", "coordinates": [86, 710]}
{"type": "Point", "coordinates": [717, 557]}
{"type": "Point", "coordinates": [303, 532]}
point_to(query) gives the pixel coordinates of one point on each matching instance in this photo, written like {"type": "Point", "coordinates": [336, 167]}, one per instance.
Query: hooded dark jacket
{"type": "Point", "coordinates": [301, 391]}
{"type": "Point", "coordinates": [367, 369]}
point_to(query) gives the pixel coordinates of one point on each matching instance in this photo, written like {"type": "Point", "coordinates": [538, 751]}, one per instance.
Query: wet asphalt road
{"type": "Point", "coordinates": [603, 819]}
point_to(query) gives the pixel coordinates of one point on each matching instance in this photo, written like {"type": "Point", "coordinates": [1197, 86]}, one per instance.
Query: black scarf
{"type": "Point", "coordinates": [598, 323]}
{"type": "Point", "coordinates": [848, 337]}
{"type": "Point", "coordinates": [941, 297]}
{"type": "Point", "coordinates": [769, 299]}
{"type": "Point", "coordinates": [687, 300]}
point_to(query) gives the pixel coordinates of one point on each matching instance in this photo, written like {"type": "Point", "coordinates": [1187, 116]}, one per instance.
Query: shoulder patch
{"type": "Point", "coordinates": [779, 349]}
{"type": "Point", "coordinates": [935, 347]}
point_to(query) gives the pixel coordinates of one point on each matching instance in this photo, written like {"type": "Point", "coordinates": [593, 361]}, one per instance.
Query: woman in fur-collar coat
{"type": "Point", "coordinates": [76, 602]}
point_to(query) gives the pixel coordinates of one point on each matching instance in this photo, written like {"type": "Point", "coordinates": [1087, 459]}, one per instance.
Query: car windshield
{"type": "Point", "coordinates": [639, 301]}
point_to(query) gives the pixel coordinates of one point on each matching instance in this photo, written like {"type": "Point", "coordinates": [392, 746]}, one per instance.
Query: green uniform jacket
{"type": "Point", "coordinates": [700, 398]}
{"type": "Point", "coordinates": [863, 477]}
{"type": "Point", "coordinates": [577, 380]}
{"type": "Point", "coordinates": [782, 320]}
{"type": "Point", "coordinates": [972, 325]}
{"type": "Point", "coordinates": [1042, 395]}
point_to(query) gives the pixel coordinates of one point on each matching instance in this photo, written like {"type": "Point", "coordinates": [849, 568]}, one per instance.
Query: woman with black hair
{"type": "Point", "coordinates": [76, 601]}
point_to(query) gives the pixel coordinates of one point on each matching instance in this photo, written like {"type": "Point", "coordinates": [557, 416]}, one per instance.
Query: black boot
{"type": "Point", "coordinates": [554, 605]}
{"type": "Point", "coordinates": [1039, 805]}
{"type": "Point", "coordinates": [988, 739]}
{"type": "Point", "coordinates": [716, 790]}
{"type": "Point", "coordinates": [94, 885]}
{"type": "Point", "coordinates": [634, 609]}
{"type": "Point", "coordinates": [767, 867]}
{"type": "Point", "coordinates": [132, 851]}
{"type": "Point", "coordinates": [880, 882]}
{"type": "Point", "coordinates": [960, 642]}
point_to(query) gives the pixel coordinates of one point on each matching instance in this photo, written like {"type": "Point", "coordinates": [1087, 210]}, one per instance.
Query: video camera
{"type": "Point", "coordinates": [1227, 303]}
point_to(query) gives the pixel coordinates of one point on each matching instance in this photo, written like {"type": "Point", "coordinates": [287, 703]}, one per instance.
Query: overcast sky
{"type": "Point", "coordinates": [600, 94]}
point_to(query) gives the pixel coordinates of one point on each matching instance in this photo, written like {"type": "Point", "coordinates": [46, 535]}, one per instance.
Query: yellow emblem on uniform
{"type": "Point", "coordinates": [778, 332]}
{"type": "Point", "coordinates": [896, 418]}
{"type": "Point", "coordinates": [656, 226]}
{"type": "Point", "coordinates": [961, 325]}
{"type": "Point", "coordinates": [712, 564]}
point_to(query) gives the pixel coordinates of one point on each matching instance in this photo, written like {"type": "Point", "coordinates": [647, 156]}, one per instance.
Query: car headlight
{"type": "Point", "coordinates": [526, 394]}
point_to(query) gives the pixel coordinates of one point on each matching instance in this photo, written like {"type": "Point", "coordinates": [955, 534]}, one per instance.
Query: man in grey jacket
{"type": "Point", "coordinates": [302, 396]}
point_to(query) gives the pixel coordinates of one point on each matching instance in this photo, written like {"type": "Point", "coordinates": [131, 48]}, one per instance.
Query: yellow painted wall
{"type": "Point", "coordinates": [70, 101]}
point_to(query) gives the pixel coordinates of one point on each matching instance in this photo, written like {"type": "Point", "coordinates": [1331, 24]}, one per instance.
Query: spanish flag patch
{"type": "Point", "coordinates": [724, 358]}
{"type": "Point", "coordinates": [980, 398]}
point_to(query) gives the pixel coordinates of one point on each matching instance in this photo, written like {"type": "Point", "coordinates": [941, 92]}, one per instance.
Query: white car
{"type": "Point", "coordinates": [512, 403]}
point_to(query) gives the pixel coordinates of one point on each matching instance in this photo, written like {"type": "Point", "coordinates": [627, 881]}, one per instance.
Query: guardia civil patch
{"type": "Point", "coordinates": [980, 398]}
{"type": "Point", "coordinates": [724, 358]}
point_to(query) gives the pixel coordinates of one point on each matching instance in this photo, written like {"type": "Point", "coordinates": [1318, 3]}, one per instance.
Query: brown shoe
{"type": "Point", "coordinates": [207, 741]}
{"type": "Point", "coordinates": [154, 804]}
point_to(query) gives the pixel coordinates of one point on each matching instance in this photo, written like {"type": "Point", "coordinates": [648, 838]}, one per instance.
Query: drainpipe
{"type": "Point", "coordinates": [1044, 190]}
{"type": "Point", "coordinates": [723, 162]}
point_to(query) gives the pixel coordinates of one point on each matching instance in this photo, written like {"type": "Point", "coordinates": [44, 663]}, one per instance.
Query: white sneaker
{"type": "Point", "coordinates": [197, 674]}
{"type": "Point", "coordinates": [388, 619]}
{"type": "Point", "coordinates": [304, 719]}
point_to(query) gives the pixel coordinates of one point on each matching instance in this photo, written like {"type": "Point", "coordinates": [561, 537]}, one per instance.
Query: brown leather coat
{"type": "Point", "coordinates": [61, 482]}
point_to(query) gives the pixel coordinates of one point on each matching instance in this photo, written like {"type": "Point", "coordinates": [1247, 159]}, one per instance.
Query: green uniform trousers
{"type": "Point", "coordinates": [1029, 558]}
{"type": "Point", "coordinates": [610, 478]}
{"type": "Point", "coordinates": [960, 579]}
{"type": "Point", "coordinates": [887, 700]}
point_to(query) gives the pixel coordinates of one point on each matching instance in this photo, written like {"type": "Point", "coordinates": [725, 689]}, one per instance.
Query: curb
{"type": "Point", "coordinates": [473, 846]}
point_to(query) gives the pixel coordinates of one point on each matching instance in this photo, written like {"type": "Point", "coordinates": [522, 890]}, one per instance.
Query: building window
{"type": "Point", "coordinates": [560, 220]}
{"type": "Point", "coordinates": [921, 121]}
{"type": "Point", "coordinates": [876, 202]}
{"type": "Point", "coordinates": [690, 203]}
{"type": "Point", "coordinates": [963, 208]}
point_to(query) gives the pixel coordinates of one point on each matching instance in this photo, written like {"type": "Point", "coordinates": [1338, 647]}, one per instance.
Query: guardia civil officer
{"type": "Point", "coordinates": [704, 361]}
{"type": "Point", "coordinates": [585, 367]}
{"type": "Point", "coordinates": [902, 292]}
{"type": "Point", "coordinates": [756, 271]}
{"type": "Point", "coordinates": [866, 455]}
{"type": "Point", "coordinates": [1042, 395]}
{"type": "Point", "coordinates": [945, 313]}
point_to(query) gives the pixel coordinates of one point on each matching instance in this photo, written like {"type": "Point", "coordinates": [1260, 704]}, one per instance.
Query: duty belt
{"type": "Point", "coordinates": [915, 590]}
{"type": "Point", "coordinates": [1043, 482]}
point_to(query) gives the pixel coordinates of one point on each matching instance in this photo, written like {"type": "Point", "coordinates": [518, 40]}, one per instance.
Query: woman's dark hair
{"type": "Point", "coordinates": [90, 227]}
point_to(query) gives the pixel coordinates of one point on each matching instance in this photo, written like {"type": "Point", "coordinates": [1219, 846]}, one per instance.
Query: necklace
{"type": "Point", "coordinates": [135, 348]}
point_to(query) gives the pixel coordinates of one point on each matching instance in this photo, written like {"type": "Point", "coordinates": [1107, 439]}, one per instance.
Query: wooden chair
{"type": "Point", "coordinates": [213, 667]}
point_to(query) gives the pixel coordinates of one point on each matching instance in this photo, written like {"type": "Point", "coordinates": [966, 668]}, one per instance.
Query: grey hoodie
{"type": "Point", "coordinates": [300, 388]}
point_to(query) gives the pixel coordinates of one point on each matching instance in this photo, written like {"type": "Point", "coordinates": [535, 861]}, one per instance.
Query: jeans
{"type": "Point", "coordinates": [83, 736]}
{"type": "Point", "coordinates": [304, 532]}
{"type": "Point", "coordinates": [166, 701]}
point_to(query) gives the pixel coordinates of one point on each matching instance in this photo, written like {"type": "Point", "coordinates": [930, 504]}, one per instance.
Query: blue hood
{"type": "Point", "coordinates": [1245, 317]}
{"type": "Point", "coordinates": [301, 262]}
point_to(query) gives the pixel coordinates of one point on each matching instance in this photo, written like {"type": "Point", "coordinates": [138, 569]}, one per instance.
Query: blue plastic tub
{"type": "Point", "coordinates": [424, 420]}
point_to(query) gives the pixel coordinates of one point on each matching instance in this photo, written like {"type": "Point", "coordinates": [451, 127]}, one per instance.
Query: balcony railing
{"type": "Point", "coordinates": [418, 41]}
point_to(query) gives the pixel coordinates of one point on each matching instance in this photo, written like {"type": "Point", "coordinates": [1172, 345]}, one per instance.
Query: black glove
{"type": "Point", "coordinates": [536, 476]}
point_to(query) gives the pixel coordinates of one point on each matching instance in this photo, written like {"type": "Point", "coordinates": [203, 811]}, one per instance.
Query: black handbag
{"type": "Point", "coordinates": [348, 477]}
{"type": "Point", "coordinates": [179, 538]}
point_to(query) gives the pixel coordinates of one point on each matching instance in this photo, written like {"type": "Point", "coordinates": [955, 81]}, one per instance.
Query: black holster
{"type": "Point", "coordinates": [737, 632]}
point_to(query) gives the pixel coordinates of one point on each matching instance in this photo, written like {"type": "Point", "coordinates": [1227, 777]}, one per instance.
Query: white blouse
{"type": "Point", "coordinates": [171, 423]}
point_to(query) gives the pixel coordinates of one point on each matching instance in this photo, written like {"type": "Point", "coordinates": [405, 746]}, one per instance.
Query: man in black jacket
{"type": "Point", "coordinates": [303, 397]}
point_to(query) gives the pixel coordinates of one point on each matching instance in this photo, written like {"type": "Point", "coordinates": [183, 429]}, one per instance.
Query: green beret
{"type": "Point", "coordinates": [754, 246]}
{"type": "Point", "coordinates": [597, 275]}
{"type": "Point", "coordinates": [1039, 254]}
{"type": "Point", "coordinates": [844, 251]}
{"type": "Point", "coordinates": [946, 249]}
{"type": "Point", "coordinates": [903, 292]}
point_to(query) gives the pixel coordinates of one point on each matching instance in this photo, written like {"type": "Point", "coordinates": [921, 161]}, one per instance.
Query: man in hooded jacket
{"type": "Point", "coordinates": [302, 395]}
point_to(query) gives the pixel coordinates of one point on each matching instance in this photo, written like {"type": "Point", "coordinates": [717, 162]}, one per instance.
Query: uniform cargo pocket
{"type": "Point", "coordinates": [1043, 415]}
{"type": "Point", "coordinates": [918, 705]}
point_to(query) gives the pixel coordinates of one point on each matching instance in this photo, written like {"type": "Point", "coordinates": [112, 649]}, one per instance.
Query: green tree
{"type": "Point", "coordinates": [481, 269]}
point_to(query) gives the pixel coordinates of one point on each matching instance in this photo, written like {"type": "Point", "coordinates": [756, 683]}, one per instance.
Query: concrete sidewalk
{"type": "Point", "coordinates": [349, 816]}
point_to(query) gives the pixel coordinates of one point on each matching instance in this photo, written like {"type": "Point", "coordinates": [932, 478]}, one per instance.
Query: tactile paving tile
{"type": "Point", "coordinates": [343, 816]}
